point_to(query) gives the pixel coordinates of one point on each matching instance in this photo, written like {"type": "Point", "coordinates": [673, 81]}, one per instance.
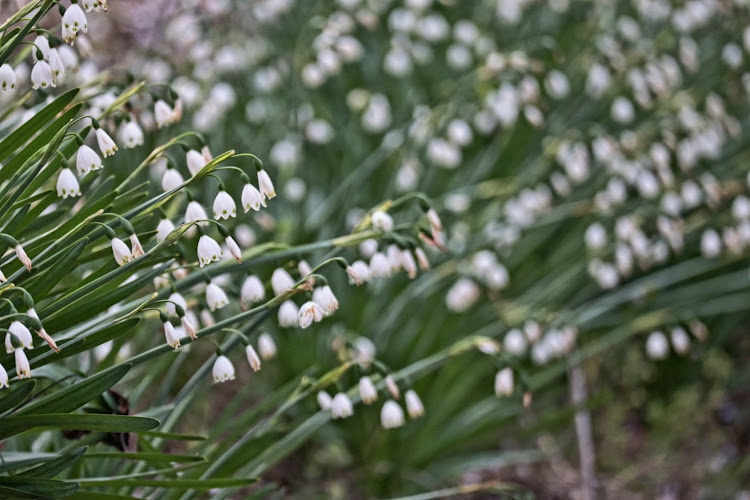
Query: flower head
{"type": "Point", "coordinates": [382, 221]}
{"type": "Point", "coordinates": [67, 184]}
{"type": "Point", "coordinates": [309, 312]}
{"type": "Point", "coordinates": [162, 114]}
{"type": "Point", "coordinates": [171, 335]}
{"type": "Point", "coordinates": [234, 249]}
{"type": "Point", "coordinates": [341, 406]}
{"type": "Point", "coordinates": [41, 76]}
{"type": "Point", "coordinates": [208, 250]}
{"type": "Point", "coordinates": [195, 162]}
{"type": "Point", "coordinates": [223, 369]}
{"type": "Point", "coordinates": [216, 297]}
{"type": "Point", "coordinates": [131, 134]}
{"type": "Point", "coordinates": [266, 346]}
{"type": "Point", "coordinates": [22, 334]}
{"type": "Point", "coordinates": [3, 378]}
{"type": "Point", "coordinates": [163, 229]}
{"type": "Point", "coordinates": [87, 160]}
{"type": "Point", "coordinates": [135, 243]}
{"type": "Point", "coordinates": [21, 254]}
{"type": "Point", "coordinates": [251, 198]}
{"type": "Point", "coordinates": [288, 314]}
{"type": "Point", "coordinates": [106, 145]}
{"type": "Point", "coordinates": [73, 22]}
{"type": "Point", "coordinates": [367, 391]}
{"type": "Point", "coordinates": [391, 415]}
{"type": "Point", "coordinates": [171, 179]}
{"type": "Point", "coordinates": [504, 382]}
{"type": "Point", "coordinates": [121, 252]}
{"type": "Point", "coordinates": [252, 290]}
{"type": "Point", "coordinates": [252, 357]}
{"type": "Point", "coordinates": [23, 369]}
{"type": "Point", "coordinates": [413, 404]}
{"type": "Point", "coordinates": [358, 272]}
{"type": "Point", "coordinates": [224, 206]}
{"type": "Point", "coordinates": [325, 298]}
{"type": "Point", "coordinates": [7, 78]}
{"type": "Point", "coordinates": [324, 400]}
{"type": "Point", "coordinates": [265, 185]}
{"type": "Point", "coordinates": [281, 281]}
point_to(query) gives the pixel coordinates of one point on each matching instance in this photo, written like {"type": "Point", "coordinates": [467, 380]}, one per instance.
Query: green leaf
{"type": "Point", "coordinates": [148, 457]}
{"type": "Point", "coordinates": [28, 129]}
{"type": "Point", "coordinates": [38, 487]}
{"type": "Point", "coordinates": [10, 426]}
{"type": "Point", "coordinates": [56, 465]}
{"type": "Point", "coordinates": [46, 281]}
{"type": "Point", "coordinates": [78, 394]}
{"type": "Point", "coordinates": [17, 395]}
{"type": "Point", "coordinates": [87, 342]}
{"type": "Point", "coordinates": [177, 484]}
{"type": "Point", "coordinates": [170, 436]}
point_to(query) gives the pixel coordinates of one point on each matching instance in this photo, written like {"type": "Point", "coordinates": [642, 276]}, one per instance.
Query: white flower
{"type": "Point", "coordinates": [680, 340]}
{"type": "Point", "coordinates": [341, 406]}
{"type": "Point", "coordinates": [23, 370]}
{"type": "Point", "coordinates": [223, 369]}
{"type": "Point", "coordinates": [462, 295]}
{"type": "Point", "coordinates": [657, 346]}
{"type": "Point", "coordinates": [57, 66]}
{"type": "Point", "coordinates": [163, 229]}
{"type": "Point", "coordinates": [207, 318]}
{"type": "Point", "coordinates": [281, 281]}
{"type": "Point", "coordinates": [178, 299]}
{"type": "Point", "coordinates": [251, 198]}
{"type": "Point", "coordinates": [515, 342]}
{"type": "Point", "coordinates": [171, 335]}
{"type": "Point", "coordinates": [21, 254]}
{"type": "Point", "coordinates": [265, 185]}
{"type": "Point", "coordinates": [394, 255]}
{"type": "Point", "coordinates": [195, 163]}
{"type": "Point", "coordinates": [325, 298]}
{"type": "Point", "coordinates": [367, 391]}
{"type": "Point", "coordinates": [22, 333]}
{"type": "Point", "coordinates": [3, 378]}
{"type": "Point", "coordinates": [224, 206]}
{"type": "Point", "coordinates": [41, 76]}
{"type": "Point", "coordinates": [43, 333]}
{"type": "Point", "coordinates": [9, 347]}
{"type": "Point", "coordinates": [434, 219]}
{"type": "Point", "coordinates": [73, 21]}
{"type": "Point", "coordinates": [392, 387]}
{"type": "Point", "coordinates": [162, 114]}
{"type": "Point", "coordinates": [135, 243]}
{"type": "Point", "coordinates": [266, 346]}
{"type": "Point", "coordinates": [106, 145]}
{"type": "Point", "coordinates": [379, 266]}
{"type": "Point", "coordinates": [382, 221]}
{"type": "Point", "coordinates": [324, 400]}
{"type": "Point", "coordinates": [409, 264]}
{"type": "Point", "coordinates": [3, 279]}
{"type": "Point", "coordinates": [216, 297]}
{"type": "Point", "coordinates": [208, 250]}
{"type": "Point", "coordinates": [131, 134]}
{"type": "Point", "coordinates": [288, 314]}
{"type": "Point", "coordinates": [121, 252]}
{"type": "Point", "coordinates": [234, 249]}
{"type": "Point", "coordinates": [504, 382]}
{"type": "Point", "coordinates": [69, 57]}
{"type": "Point", "coordinates": [189, 325]}
{"type": "Point", "coordinates": [171, 179]}
{"type": "Point", "coordinates": [42, 44]}
{"type": "Point", "coordinates": [413, 404]}
{"type": "Point", "coordinates": [195, 212]}
{"type": "Point", "coordinates": [252, 290]}
{"type": "Point", "coordinates": [359, 272]}
{"type": "Point", "coordinates": [391, 416]}
{"type": "Point", "coordinates": [309, 312]}
{"type": "Point", "coordinates": [87, 160]}
{"type": "Point", "coordinates": [7, 78]}
{"type": "Point", "coordinates": [252, 357]}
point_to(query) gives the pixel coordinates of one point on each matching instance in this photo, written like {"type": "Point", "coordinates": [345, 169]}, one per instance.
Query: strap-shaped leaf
{"type": "Point", "coordinates": [28, 129]}
{"type": "Point", "coordinates": [76, 395]}
{"type": "Point", "coordinates": [17, 395]}
{"type": "Point", "coordinates": [56, 465]}
{"type": "Point", "coordinates": [10, 426]}
{"type": "Point", "coordinates": [38, 487]}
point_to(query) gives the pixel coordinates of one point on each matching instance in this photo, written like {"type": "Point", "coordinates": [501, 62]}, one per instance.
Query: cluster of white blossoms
{"type": "Point", "coordinates": [658, 342]}
{"type": "Point", "coordinates": [391, 413]}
